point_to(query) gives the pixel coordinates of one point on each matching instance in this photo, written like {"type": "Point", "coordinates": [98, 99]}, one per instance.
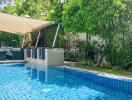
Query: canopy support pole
{"type": "Point", "coordinates": [23, 41]}
{"type": "Point", "coordinates": [37, 39]}
{"type": "Point", "coordinates": [56, 35]}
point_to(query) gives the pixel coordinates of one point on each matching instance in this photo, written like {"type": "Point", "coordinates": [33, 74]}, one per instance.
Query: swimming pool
{"type": "Point", "coordinates": [20, 82]}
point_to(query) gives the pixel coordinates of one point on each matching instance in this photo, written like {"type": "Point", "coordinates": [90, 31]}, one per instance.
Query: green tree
{"type": "Point", "coordinates": [104, 18]}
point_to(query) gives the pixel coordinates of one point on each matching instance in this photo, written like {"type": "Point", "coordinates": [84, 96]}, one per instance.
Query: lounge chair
{"type": "Point", "coordinates": [2, 55]}
{"type": "Point", "coordinates": [17, 54]}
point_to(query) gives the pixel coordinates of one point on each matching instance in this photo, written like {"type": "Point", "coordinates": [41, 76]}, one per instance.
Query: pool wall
{"type": "Point", "coordinates": [122, 85]}
{"type": "Point", "coordinates": [44, 56]}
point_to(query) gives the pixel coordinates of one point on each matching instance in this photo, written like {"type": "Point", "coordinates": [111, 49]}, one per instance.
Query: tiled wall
{"type": "Point", "coordinates": [113, 83]}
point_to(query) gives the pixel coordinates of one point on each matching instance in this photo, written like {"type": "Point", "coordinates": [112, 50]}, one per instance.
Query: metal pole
{"type": "Point", "coordinates": [56, 35]}
{"type": "Point", "coordinates": [23, 41]}
{"type": "Point", "coordinates": [38, 39]}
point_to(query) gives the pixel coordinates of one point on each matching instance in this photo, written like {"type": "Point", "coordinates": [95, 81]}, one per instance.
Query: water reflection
{"type": "Point", "coordinates": [34, 73]}
{"type": "Point", "coordinates": [46, 74]}
{"type": "Point", "coordinates": [60, 77]}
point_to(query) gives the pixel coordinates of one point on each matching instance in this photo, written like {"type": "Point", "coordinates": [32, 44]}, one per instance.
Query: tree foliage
{"type": "Point", "coordinates": [29, 8]}
{"type": "Point", "coordinates": [107, 19]}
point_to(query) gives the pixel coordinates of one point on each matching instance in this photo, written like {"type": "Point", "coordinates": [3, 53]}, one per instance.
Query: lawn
{"type": "Point", "coordinates": [103, 70]}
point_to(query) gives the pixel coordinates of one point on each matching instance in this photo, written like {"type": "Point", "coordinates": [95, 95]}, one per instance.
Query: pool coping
{"type": "Point", "coordinates": [12, 61]}
{"type": "Point", "coordinates": [113, 76]}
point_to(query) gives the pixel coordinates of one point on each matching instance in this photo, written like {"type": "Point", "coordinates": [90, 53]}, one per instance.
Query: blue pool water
{"type": "Point", "coordinates": [19, 82]}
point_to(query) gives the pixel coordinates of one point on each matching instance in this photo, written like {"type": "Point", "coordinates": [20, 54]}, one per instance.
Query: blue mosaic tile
{"type": "Point", "coordinates": [34, 73]}
{"type": "Point", "coordinates": [19, 82]}
{"type": "Point", "coordinates": [117, 84]}
{"type": "Point", "coordinates": [41, 75]}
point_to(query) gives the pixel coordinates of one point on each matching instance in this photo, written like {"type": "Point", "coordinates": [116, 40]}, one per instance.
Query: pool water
{"type": "Point", "coordinates": [19, 82]}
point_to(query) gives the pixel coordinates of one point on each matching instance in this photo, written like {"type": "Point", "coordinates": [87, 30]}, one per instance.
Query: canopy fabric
{"type": "Point", "coordinates": [20, 25]}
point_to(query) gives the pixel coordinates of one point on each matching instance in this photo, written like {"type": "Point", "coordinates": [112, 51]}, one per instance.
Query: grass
{"type": "Point", "coordinates": [103, 70]}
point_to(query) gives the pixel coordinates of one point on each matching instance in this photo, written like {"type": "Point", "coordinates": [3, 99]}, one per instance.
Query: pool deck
{"type": "Point", "coordinates": [12, 61]}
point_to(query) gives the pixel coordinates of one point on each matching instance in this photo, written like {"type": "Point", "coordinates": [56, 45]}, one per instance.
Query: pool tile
{"type": "Point", "coordinates": [63, 84]}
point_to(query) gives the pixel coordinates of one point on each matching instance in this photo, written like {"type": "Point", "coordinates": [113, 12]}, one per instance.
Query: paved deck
{"type": "Point", "coordinates": [69, 63]}
{"type": "Point", "coordinates": [12, 61]}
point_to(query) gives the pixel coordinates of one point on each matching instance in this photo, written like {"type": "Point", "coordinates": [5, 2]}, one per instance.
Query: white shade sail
{"type": "Point", "coordinates": [20, 25]}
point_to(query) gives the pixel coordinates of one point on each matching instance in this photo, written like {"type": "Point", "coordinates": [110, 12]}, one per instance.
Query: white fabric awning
{"type": "Point", "coordinates": [20, 25]}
